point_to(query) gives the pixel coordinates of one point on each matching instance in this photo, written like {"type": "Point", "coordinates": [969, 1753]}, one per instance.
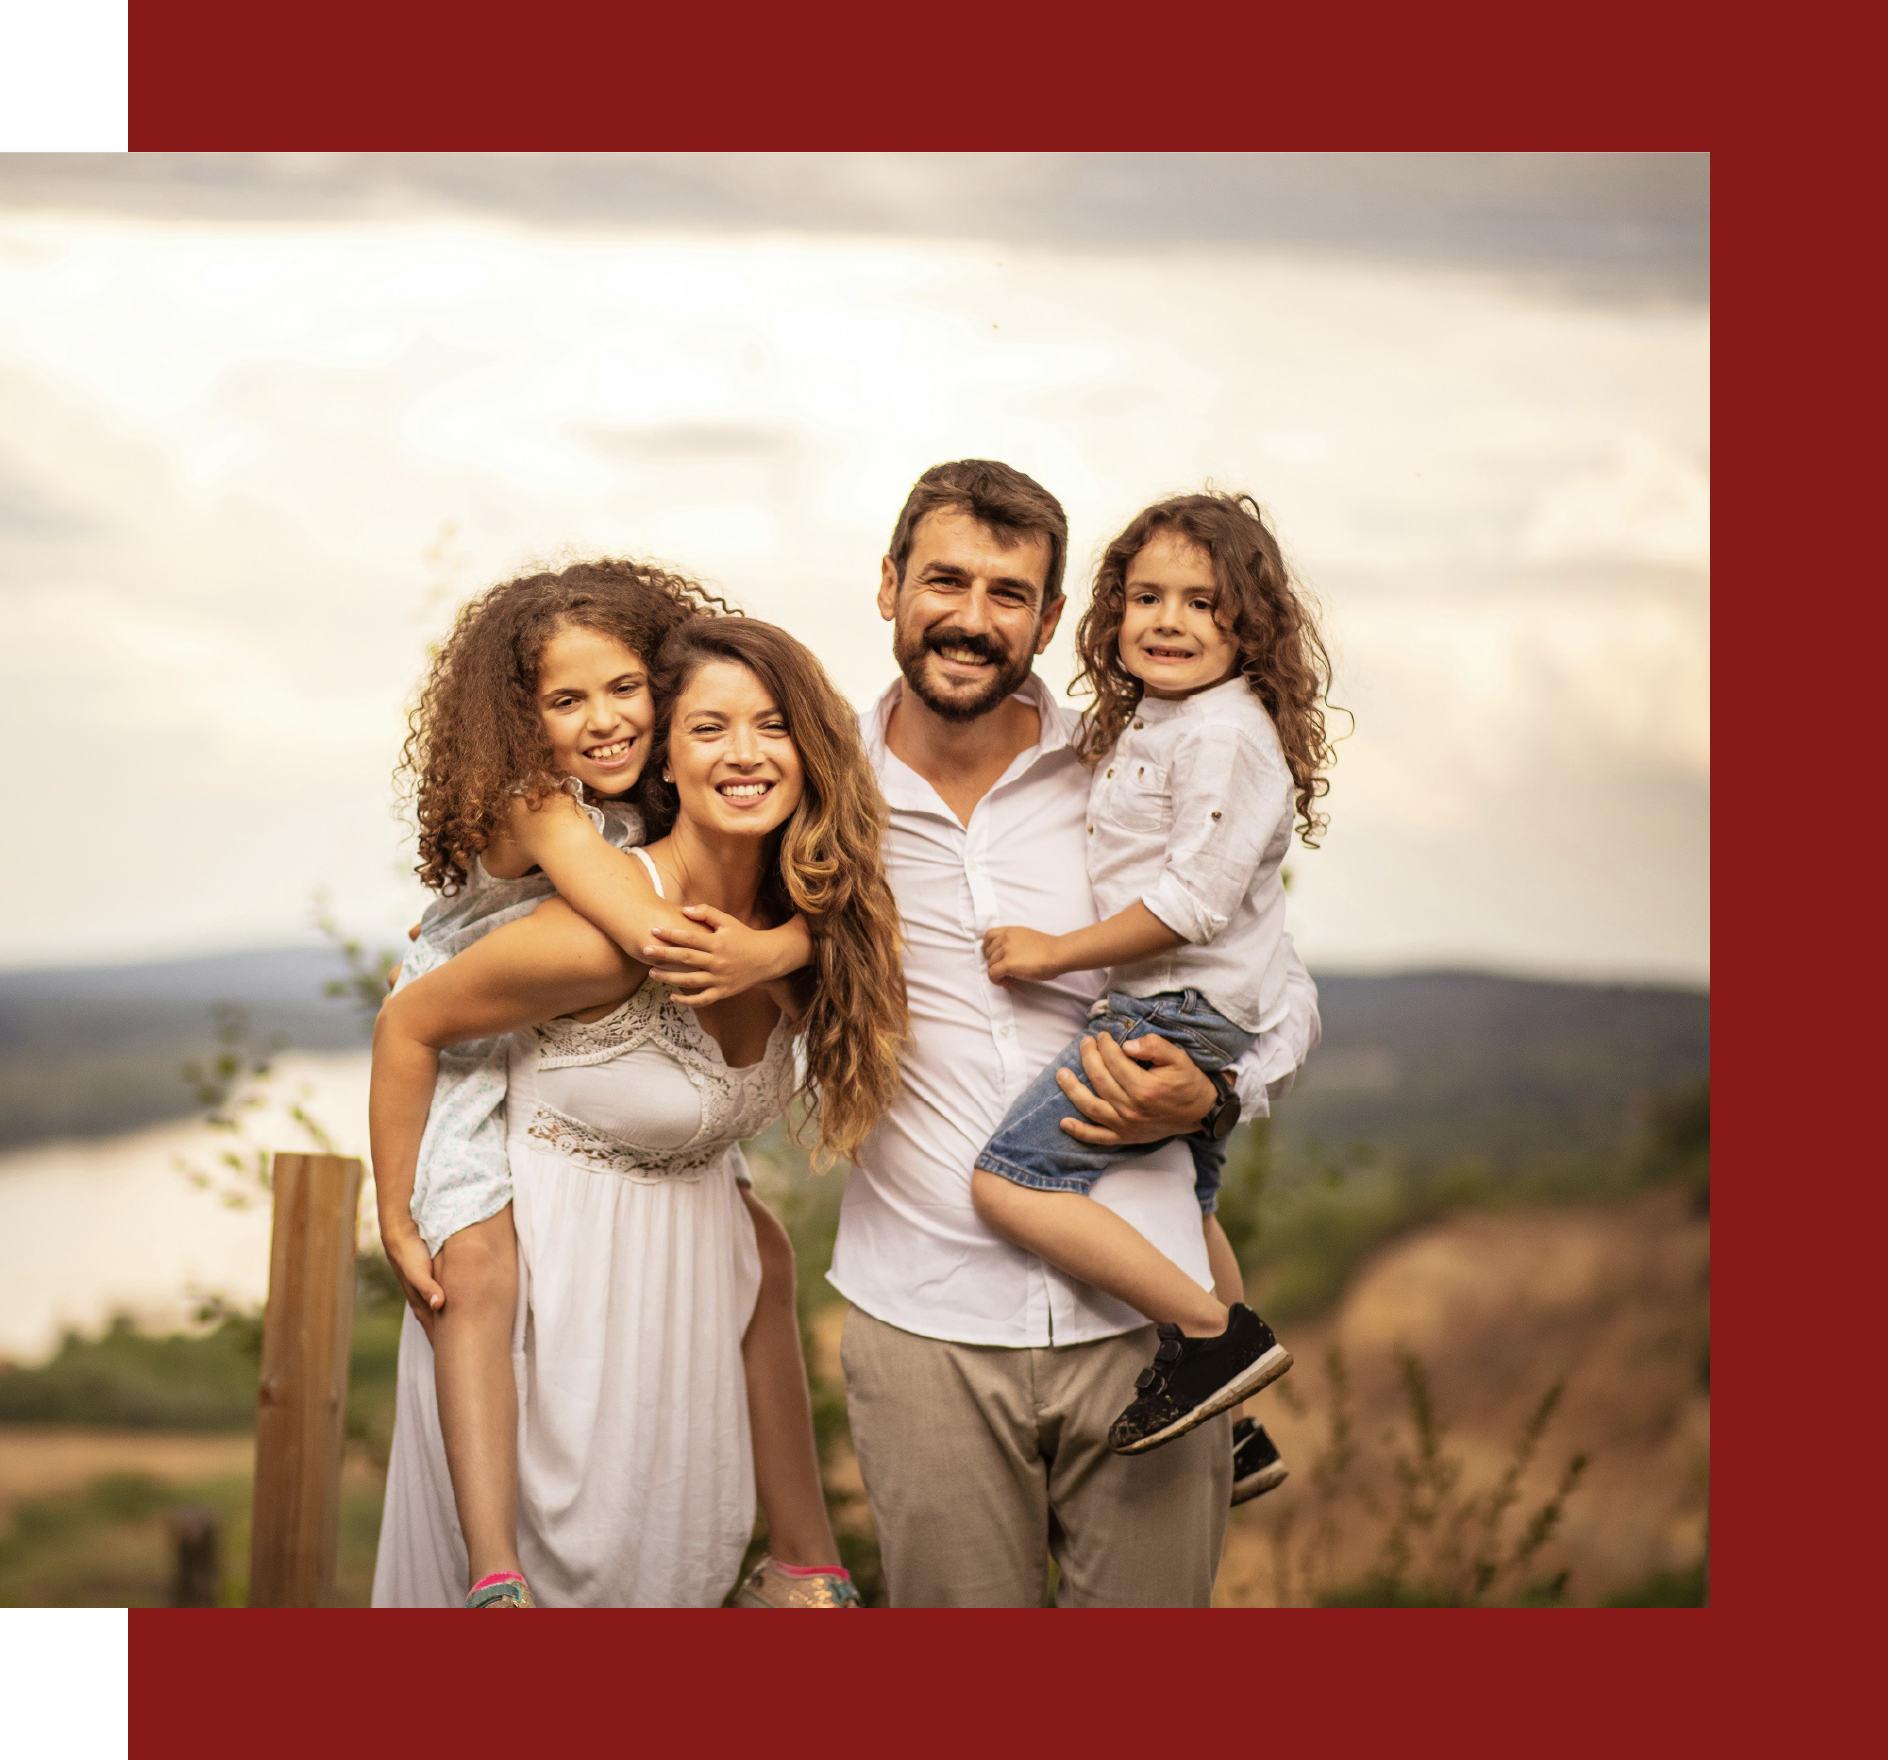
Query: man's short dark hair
{"type": "Point", "coordinates": [1012, 505]}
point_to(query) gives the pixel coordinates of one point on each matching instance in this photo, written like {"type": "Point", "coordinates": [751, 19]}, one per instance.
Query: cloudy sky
{"type": "Point", "coordinates": [265, 421]}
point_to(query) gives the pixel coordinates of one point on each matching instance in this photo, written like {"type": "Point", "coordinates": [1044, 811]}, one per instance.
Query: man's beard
{"type": "Point", "coordinates": [1007, 673]}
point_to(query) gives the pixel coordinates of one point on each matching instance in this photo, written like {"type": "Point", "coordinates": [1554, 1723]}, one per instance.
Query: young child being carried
{"type": "Point", "coordinates": [529, 737]}
{"type": "Point", "coordinates": [1207, 736]}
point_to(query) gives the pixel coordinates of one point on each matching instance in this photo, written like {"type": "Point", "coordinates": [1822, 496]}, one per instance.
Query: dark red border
{"type": "Point", "coordinates": [1549, 1685]}
{"type": "Point", "coordinates": [1797, 1201]}
{"type": "Point", "coordinates": [1222, 75]}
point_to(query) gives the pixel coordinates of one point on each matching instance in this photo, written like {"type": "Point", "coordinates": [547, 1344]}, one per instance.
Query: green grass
{"type": "Point", "coordinates": [1684, 1588]}
{"type": "Point", "coordinates": [107, 1544]}
{"type": "Point", "coordinates": [204, 1381]}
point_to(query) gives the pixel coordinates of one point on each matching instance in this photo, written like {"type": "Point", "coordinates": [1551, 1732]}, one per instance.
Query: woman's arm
{"type": "Point", "coordinates": [1135, 933]}
{"type": "Point", "coordinates": [703, 956]}
{"type": "Point", "coordinates": [550, 963]}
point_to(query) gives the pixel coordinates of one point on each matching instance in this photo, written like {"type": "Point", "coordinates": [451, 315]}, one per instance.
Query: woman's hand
{"type": "Point", "coordinates": [719, 957]}
{"type": "Point", "coordinates": [1128, 1102]}
{"type": "Point", "coordinates": [1021, 953]}
{"type": "Point", "coordinates": [413, 1265]}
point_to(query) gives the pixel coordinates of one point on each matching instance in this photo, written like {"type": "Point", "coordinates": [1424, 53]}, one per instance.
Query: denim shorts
{"type": "Point", "coordinates": [1030, 1147]}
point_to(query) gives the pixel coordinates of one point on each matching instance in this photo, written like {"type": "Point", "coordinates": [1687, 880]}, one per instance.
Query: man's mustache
{"type": "Point", "coordinates": [982, 646]}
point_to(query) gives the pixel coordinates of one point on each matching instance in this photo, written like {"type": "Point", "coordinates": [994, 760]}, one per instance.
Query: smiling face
{"type": "Point", "coordinates": [735, 767]}
{"type": "Point", "coordinates": [1169, 638]}
{"type": "Point", "coordinates": [593, 703]}
{"type": "Point", "coordinates": [968, 619]}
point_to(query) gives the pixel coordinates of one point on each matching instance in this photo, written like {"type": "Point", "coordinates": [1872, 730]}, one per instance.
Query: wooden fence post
{"type": "Point", "coordinates": [301, 1414]}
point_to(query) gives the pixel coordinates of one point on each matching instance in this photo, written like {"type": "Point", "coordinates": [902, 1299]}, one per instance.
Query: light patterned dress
{"type": "Point", "coordinates": [463, 1176]}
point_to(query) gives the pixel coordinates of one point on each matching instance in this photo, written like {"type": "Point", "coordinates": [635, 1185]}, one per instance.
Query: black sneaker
{"type": "Point", "coordinates": [1256, 1468]}
{"type": "Point", "coordinates": [1193, 1379]}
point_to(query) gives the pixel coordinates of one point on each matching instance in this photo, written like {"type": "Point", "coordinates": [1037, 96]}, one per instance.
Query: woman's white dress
{"type": "Point", "coordinates": [638, 1273]}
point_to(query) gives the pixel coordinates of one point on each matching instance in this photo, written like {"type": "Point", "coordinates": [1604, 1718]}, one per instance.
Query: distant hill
{"type": "Point", "coordinates": [1510, 1076]}
{"type": "Point", "coordinates": [93, 1051]}
{"type": "Point", "coordinates": [1430, 1068]}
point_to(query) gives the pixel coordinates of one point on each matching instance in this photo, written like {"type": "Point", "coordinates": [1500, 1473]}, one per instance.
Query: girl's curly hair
{"type": "Point", "coordinates": [827, 864]}
{"type": "Point", "coordinates": [1280, 650]}
{"type": "Point", "coordinates": [474, 737]}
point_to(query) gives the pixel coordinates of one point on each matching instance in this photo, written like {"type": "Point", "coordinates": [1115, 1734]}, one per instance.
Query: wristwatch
{"type": "Point", "coordinates": [1217, 1125]}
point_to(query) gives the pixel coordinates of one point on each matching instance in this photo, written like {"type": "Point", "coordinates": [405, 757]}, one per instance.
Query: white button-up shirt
{"type": "Point", "coordinates": [1191, 815]}
{"type": "Point", "coordinates": [910, 1250]}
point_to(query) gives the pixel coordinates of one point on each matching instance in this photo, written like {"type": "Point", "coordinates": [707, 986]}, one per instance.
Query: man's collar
{"type": "Point", "coordinates": [1057, 731]}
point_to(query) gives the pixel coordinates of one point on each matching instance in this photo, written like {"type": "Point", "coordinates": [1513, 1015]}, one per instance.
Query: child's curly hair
{"type": "Point", "coordinates": [474, 737]}
{"type": "Point", "coordinates": [1280, 650]}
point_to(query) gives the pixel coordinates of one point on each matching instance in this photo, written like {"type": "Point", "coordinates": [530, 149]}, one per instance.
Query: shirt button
{"type": "Point", "coordinates": [1111, 773]}
{"type": "Point", "coordinates": [1137, 724]}
{"type": "Point", "coordinates": [1091, 831]}
{"type": "Point", "coordinates": [1002, 1032]}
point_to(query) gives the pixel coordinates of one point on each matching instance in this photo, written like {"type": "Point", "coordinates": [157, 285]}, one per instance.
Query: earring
{"type": "Point", "coordinates": [666, 777]}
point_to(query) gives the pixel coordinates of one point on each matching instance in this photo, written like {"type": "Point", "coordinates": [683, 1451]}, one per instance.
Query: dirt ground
{"type": "Point", "coordinates": [38, 1459]}
{"type": "Point", "coordinates": [1613, 1300]}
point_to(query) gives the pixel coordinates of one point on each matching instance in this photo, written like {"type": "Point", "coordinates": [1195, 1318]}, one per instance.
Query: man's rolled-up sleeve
{"type": "Point", "coordinates": [1228, 795]}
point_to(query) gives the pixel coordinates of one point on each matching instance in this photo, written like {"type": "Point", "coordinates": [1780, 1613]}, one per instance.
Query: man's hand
{"type": "Point", "coordinates": [1012, 953]}
{"type": "Point", "coordinates": [719, 958]}
{"type": "Point", "coordinates": [413, 1265]}
{"type": "Point", "coordinates": [1126, 1103]}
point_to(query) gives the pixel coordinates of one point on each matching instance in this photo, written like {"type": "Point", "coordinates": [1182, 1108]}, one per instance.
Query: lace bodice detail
{"type": "Point", "coordinates": [645, 1092]}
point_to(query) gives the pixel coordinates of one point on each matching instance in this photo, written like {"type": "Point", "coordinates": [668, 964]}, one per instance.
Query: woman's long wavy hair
{"type": "Point", "coordinates": [474, 737]}
{"type": "Point", "coordinates": [1280, 651]}
{"type": "Point", "coordinates": [826, 863]}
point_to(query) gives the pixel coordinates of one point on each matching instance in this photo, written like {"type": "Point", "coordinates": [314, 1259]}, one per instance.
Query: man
{"type": "Point", "coordinates": [981, 1381]}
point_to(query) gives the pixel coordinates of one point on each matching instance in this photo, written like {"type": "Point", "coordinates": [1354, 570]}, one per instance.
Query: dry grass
{"type": "Point", "coordinates": [1613, 1300]}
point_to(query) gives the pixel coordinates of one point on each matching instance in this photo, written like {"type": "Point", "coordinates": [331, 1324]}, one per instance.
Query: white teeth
{"type": "Point", "coordinates": [963, 656]}
{"type": "Point", "coordinates": [602, 754]}
{"type": "Point", "coordinates": [745, 791]}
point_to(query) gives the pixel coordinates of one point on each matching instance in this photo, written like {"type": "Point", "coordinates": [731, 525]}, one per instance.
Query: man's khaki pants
{"type": "Point", "coordinates": [981, 1461]}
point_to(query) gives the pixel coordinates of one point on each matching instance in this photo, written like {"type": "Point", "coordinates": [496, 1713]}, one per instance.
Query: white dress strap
{"type": "Point", "coordinates": [655, 875]}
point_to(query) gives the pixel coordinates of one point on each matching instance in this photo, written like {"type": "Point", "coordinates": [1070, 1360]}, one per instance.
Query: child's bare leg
{"type": "Point", "coordinates": [478, 1398]}
{"type": "Point", "coordinates": [1087, 1240]}
{"type": "Point", "coordinates": [780, 1407]}
{"type": "Point", "coordinates": [1229, 1282]}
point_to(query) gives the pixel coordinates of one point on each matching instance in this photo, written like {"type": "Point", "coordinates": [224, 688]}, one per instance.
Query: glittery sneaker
{"type": "Point", "coordinates": [1256, 1468]}
{"type": "Point", "coordinates": [1193, 1379]}
{"type": "Point", "coordinates": [790, 1585]}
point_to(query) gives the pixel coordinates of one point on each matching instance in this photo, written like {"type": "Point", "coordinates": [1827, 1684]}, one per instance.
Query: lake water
{"type": "Point", "coordinates": [90, 1229]}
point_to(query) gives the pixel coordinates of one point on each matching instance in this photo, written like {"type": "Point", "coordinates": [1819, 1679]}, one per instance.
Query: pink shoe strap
{"type": "Point", "coordinates": [497, 1577]}
{"type": "Point", "coordinates": [812, 1570]}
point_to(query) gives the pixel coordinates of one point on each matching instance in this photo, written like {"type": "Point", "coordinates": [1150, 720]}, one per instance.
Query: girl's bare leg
{"type": "Point", "coordinates": [1087, 1240]}
{"type": "Point", "coordinates": [478, 1398]}
{"type": "Point", "coordinates": [1229, 1282]}
{"type": "Point", "coordinates": [780, 1407]}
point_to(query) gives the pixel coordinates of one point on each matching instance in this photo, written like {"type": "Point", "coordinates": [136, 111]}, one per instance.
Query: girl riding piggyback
{"type": "Point", "coordinates": [530, 735]}
{"type": "Point", "coordinates": [1207, 740]}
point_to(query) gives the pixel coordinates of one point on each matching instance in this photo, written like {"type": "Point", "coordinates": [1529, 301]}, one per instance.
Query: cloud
{"type": "Point", "coordinates": [287, 451]}
{"type": "Point", "coordinates": [1611, 226]}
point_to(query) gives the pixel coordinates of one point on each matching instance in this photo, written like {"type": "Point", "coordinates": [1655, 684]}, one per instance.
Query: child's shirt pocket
{"type": "Point", "coordinates": [1137, 796]}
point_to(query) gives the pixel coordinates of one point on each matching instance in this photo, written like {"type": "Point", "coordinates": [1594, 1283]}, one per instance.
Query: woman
{"type": "Point", "coordinates": [637, 1260]}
